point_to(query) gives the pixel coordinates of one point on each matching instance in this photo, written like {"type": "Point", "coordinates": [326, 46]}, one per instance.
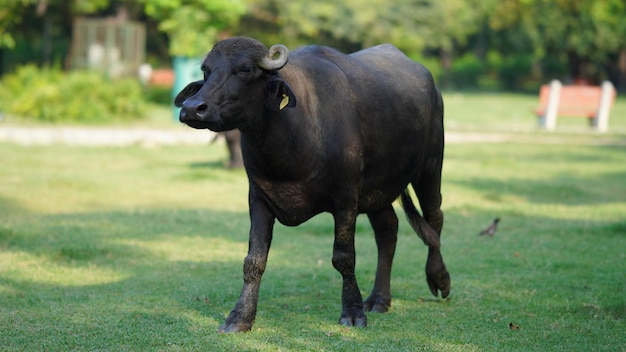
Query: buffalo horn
{"type": "Point", "coordinates": [269, 63]}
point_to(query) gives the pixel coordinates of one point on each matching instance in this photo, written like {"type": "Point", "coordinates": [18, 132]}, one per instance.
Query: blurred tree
{"type": "Point", "coordinates": [10, 17]}
{"type": "Point", "coordinates": [13, 12]}
{"type": "Point", "coordinates": [522, 38]}
{"type": "Point", "coordinates": [586, 34]}
{"type": "Point", "coordinates": [411, 25]}
{"type": "Point", "coordinates": [447, 25]}
{"type": "Point", "coordinates": [193, 26]}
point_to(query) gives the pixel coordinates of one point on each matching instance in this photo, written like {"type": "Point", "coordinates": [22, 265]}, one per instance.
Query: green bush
{"type": "Point", "coordinates": [513, 70]}
{"type": "Point", "coordinates": [49, 95]}
{"type": "Point", "coordinates": [159, 95]}
{"type": "Point", "coordinates": [466, 70]}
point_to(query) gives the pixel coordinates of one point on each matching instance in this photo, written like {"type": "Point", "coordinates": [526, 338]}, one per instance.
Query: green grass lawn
{"type": "Point", "coordinates": [137, 248]}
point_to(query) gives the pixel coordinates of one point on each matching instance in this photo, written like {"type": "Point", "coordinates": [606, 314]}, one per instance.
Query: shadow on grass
{"type": "Point", "coordinates": [584, 175]}
{"type": "Point", "coordinates": [216, 165]}
{"type": "Point", "coordinates": [564, 189]}
{"type": "Point", "coordinates": [10, 206]}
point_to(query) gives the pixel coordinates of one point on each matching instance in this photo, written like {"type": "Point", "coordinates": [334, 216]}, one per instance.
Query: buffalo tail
{"type": "Point", "coordinates": [423, 229]}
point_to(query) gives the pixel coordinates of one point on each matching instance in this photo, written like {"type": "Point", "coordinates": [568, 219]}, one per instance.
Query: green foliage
{"type": "Point", "coordinates": [575, 39]}
{"type": "Point", "coordinates": [193, 26]}
{"type": "Point", "coordinates": [588, 31]}
{"type": "Point", "coordinates": [10, 16]}
{"type": "Point", "coordinates": [511, 72]}
{"type": "Point", "coordinates": [513, 69]}
{"type": "Point", "coordinates": [410, 25]}
{"type": "Point", "coordinates": [49, 95]}
{"type": "Point", "coordinates": [565, 38]}
{"type": "Point", "coordinates": [13, 12]}
{"type": "Point", "coordinates": [159, 95]}
{"type": "Point", "coordinates": [466, 71]}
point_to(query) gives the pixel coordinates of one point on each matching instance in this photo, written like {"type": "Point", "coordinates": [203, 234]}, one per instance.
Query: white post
{"type": "Point", "coordinates": [606, 99]}
{"type": "Point", "coordinates": [553, 105]}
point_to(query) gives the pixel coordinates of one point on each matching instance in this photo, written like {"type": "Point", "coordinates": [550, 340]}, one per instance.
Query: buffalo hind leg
{"type": "Point", "coordinates": [428, 191]}
{"type": "Point", "coordinates": [385, 225]}
{"type": "Point", "coordinates": [352, 313]}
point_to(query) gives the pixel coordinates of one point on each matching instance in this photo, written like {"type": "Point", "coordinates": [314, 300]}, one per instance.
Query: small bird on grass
{"type": "Point", "coordinates": [491, 229]}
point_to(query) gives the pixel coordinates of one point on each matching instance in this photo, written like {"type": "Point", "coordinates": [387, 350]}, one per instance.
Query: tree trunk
{"type": "Point", "coordinates": [574, 68]}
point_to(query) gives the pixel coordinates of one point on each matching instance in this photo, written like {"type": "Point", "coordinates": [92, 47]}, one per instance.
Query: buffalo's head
{"type": "Point", "coordinates": [240, 83]}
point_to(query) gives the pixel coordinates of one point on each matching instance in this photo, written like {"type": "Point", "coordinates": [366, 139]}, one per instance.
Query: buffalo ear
{"type": "Point", "coordinates": [190, 90]}
{"type": "Point", "coordinates": [281, 95]}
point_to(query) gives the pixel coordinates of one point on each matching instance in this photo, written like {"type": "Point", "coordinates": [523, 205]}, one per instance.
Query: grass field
{"type": "Point", "coordinates": [141, 248]}
{"type": "Point", "coordinates": [505, 112]}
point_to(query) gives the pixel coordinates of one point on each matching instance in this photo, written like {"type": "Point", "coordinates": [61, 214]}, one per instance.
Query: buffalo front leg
{"type": "Point", "coordinates": [242, 316]}
{"type": "Point", "coordinates": [352, 313]}
{"type": "Point", "coordinates": [385, 225]}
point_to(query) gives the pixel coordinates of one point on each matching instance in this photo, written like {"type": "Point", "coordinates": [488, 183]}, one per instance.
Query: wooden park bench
{"type": "Point", "coordinates": [592, 102]}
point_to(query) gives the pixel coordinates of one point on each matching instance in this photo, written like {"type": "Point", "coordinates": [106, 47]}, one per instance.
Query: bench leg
{"type": "Point", "coordinates": [602, 118]}
{"type": "Point", "coordinates": [553, 105]}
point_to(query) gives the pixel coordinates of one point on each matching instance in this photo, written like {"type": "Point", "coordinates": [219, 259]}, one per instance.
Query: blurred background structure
{"type": "Point", "coordinates": [117, 48]}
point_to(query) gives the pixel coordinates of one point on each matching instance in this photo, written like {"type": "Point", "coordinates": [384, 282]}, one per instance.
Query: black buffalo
{"type": "Point", "coordinates": [328, 132]}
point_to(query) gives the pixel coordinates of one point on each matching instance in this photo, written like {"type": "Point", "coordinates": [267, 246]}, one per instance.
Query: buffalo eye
{"type": "Point", "coordinates": [245, 69]}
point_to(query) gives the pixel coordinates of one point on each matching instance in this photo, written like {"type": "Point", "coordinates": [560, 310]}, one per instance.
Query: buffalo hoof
{"type": "Point", "coordinates": [234, 327]}
{"type": "Point", "coordinates": [376, 304]}
{"type": "Point", "coordinates": [437, 275]}
{"type": "Point", "coordinates": [439, 283]}
{"type": "Point", "coordinates": [358, 321]}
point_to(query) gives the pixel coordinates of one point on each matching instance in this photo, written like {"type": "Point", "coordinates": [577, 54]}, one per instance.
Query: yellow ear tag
{"type": "Point", "coordinates": [284, 102]}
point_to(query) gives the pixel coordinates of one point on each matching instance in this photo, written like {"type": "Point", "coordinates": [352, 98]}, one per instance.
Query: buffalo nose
{"type": "Point", "coordinates": [193, 109]}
